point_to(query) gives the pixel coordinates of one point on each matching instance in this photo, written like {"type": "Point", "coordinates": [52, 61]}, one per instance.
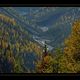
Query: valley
{"type": "Point", "coordinates": [24, 30]}
{"type": "Point", "coordinates": [41, 42]}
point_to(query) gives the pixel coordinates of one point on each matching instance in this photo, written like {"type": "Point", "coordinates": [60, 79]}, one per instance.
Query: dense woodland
{"type": "Point", "coordinates": [16, 42]}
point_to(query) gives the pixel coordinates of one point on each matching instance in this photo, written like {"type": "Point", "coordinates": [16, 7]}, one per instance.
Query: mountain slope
{"type": "Point", "coordinates": [62, 27]}
{"type": "Point", "coordinates": [19, 40]}
{"type": "Point", "coordinates": [19, 19]}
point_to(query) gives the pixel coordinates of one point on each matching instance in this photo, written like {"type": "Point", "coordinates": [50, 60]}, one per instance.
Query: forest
{"type": "Point", "coordinates": [17, 44]}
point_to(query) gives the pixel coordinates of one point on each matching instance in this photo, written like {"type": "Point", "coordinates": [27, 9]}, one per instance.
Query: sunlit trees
{"type": "Point", "coordinates": [45, 65]}
{"type": "Point", "coordinates": [7, 19]}
{"type": "Point", "coordinates": [72, 49]}
{"type": "Point", "coordinates": [14, 45]}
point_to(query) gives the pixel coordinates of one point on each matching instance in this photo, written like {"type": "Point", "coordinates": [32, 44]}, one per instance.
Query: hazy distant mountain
{"type": "Point", "coordinates": [53, 23]}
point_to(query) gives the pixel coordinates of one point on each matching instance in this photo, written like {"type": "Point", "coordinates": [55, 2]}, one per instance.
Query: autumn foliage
{"type": "Point", "coordinates": [72, 48]}
{"type": "Point", "coordinates": [45, 65]}
{"type": "Point", "coordinates": [7, 19]}
{"type": "Point", "coordinates": [67, 61]}
{"type": "Point", "coordinates": [16, 43]}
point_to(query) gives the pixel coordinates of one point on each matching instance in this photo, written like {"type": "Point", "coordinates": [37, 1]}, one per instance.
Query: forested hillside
{"type": "Point", "coordinates": [39, 40]}
{"type": "Point", "coordinates": [15, 45]}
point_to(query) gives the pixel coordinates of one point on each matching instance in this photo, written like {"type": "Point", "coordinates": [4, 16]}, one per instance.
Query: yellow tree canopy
{"type": "Point", "coordinates": [72, 49]}
{"type": "Point", "coordinates": [7, 19]}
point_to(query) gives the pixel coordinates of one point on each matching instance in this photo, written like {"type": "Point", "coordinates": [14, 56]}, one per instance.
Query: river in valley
{"type": "Point", "coordinates": [41, 41]}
